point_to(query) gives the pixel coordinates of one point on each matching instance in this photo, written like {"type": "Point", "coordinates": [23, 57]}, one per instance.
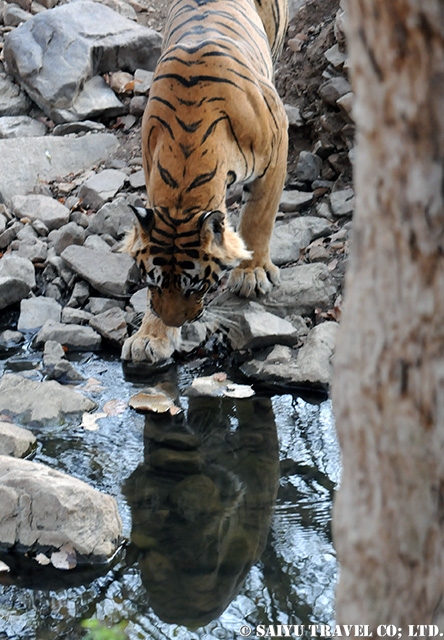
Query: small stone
{"type": "Point", "coordinates": [74, 337]}
{"type": "Point", "coordinates": [34, 312]}
{"type": "Point", "coordinates": [13, 15]}
{"type": "Point", "coordinates": [9, 338]}
{"type": "Point", "coordinates": [67, 235]}
{"type": "Point", "coordinates": [101, 187]}
{"type": "Point", "coordinates": [333, 89]}
{"type": "Point", "coordinates": [121, 81]}
{"type": "Point", "coordinates": [38, 207]}
{"type": "Point", "coordinates": [294, 116]}
{"type": "Point", "coordinates": [137, 105]}
{"type": "Point", "coordinates": [79, 295]}
{"type": "Point", "coordinates": [342, 202]}
{"type": "Point", "coordinates": [142, 81]}
{"type": "Point", "coordinates": [12, 265]}
{"type": "Point", "coordinates": [111, 325]}
{"type": "Point", "coordinates": [346, 104]}
{"type": "Point", "coordinates": [75, 316]}
{"type": "Point", "coordinates": [12, 290]}
{"type": "Point", "coordinates": [85, 126]}
{"type": "Point", "coordinates": [309, 166]}
{"type": "Point", "coordinates": [137, 179]}
{"type": "Point", "coordinates": [115, 218]}
{"type": "Point", "coordinates": [15, 441]}
{"type": "Point", "coordinates": [57, 367]}
{"type": "Point", "coordinates": [336, 57]}
{"type": "Point", "coordinates": [34, 250]}
{"type": "Point", "coordinates": [293, 200]}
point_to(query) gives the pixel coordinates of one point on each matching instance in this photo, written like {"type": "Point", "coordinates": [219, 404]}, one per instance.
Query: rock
{"type": "Point", "coordinates": [289, 238]}
{"type": "Point", "coordinates": [67, 235]}
{"type": "Point", "coordinates": [79, 295]}
{"type": "Point", "coordinates": [13, 101]}
{"type": "Point", "coordinates": [75, 316]}
{"type": "Point", "coordinates": [335, 56]}
{"type": "Point", "coordinates": [111, 325]}
{"type": "Point", "coordinates": [15, 441]}
{"type": "Point", "coordinates": [137, 105]}
{"type": "Point", "coordinates": [10, 233]}
{"type": "Point", "coordinates": [303, 289]}
{"type": "Point", "coordinates": [21, 127]}
{"type": "Point", "coordinates": [309, 166]}
{"type": "Point", "coordinates": [36, 207]}
{"type": "Point", "coordinates": [95, 99]}
{"type": "Point", "coordinates": [98, 40]}
{"type": "Point", "coordinates": [333, 89]}
{"type": "Point", "coordinates": [42, 507]}
{"type": "Point", "coordinates": [342, 202]}
{"type": "Point", "coordinates": [101, 187]}
{"type": "Point", "coordinates": [34, 312]}
{"type": "Point", "coordinates": [110, 273]}
{"type": "Point", "coordinates": [115, 218]}
{"type": "Point", "coordinates": [99, 305]}
{"type": "Point", "coordinates": [139, 301]}
{"type": "Point", "coordinates": [137, 179]}
{"type": "Point", "coordinates": [14, 266]}
{"type": "Point", "coordinates": [33, 250]}
{"type": "Point", "coordinates": [48, 158]}
{"type": "Point", "coordinates": [142, 82]}
{"type": "Point", "coordinates": [56, 366]}
{"type": "Point", "coordinates": [294, 116]}
{"type": "Point", "coordinates": [40, 402]}
{"type": "Point", "coordinates": [12, 290]}
{"type": "Point", "coordinates": [9, 339]}
{"type": "Point", "coordinates": [14, 15]}
{"type": "Point", "coordinates": [312, 365]}
{"type": "Point", "coordinates": [86, 126]}
{"type": "Point", "coordinates": [346, 104]}
{"type": "Point", "coordinates": [121, 7]}
{"type": "Point", "coordinates": [72, 336]}
{"type": "Point", "coordinates": [293, 200]}
{"type": "Point", "coordinates": [97, 244]}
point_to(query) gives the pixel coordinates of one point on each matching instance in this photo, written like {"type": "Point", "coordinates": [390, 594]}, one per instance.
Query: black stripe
{"type": "Point", "coordinates": [189, 128]}
{"type": "Point", "coordinates": [192, 81]}
{"type": "Point", "coordinates": [202, 179]}
{"type": "Point", "coordinates": [212, 127]}
{"type": "Point", "coordinates": [163, 101]}
{"type": "Point", "coordinates": [167, 177]}
{"type": "Point", "coordinates": [165, 124]}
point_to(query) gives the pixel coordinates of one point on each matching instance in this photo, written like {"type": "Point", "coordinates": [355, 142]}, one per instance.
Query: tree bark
{"type": "Point", "coordinates": [388, 390]}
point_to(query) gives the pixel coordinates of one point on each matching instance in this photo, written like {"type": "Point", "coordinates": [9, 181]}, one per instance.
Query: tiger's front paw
{"type": "Point", "coordinates": [251, 281]}
{"type": "Point", "coordinates": [144, 347]}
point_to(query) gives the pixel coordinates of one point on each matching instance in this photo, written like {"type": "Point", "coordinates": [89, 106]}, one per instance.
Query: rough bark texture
{"type": "Point", "coordinates": [389, 369]}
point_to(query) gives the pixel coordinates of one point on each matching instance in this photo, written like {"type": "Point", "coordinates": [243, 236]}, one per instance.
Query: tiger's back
{"type": "Point", "coordinates": [213, 119]}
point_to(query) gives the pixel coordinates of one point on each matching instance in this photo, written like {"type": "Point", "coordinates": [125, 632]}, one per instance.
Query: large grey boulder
{"type": "Point", "coordinates": [110, 273]}
{"type": "Point", "coordinates": [26, 162]}
{"type": "Point", "coordinates": [56, 52]}
{"type": "Point", "coordinates": [42, 507]}
{"type": "Point", "coordinates": [40, 402]}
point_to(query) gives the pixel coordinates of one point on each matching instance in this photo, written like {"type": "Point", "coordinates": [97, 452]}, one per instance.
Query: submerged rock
{"type": "Point", "coordinates": [40, 402]}
{"type": "Point", "coordinates": [42, 507]}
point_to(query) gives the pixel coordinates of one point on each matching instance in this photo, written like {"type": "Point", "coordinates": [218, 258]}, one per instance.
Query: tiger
{"type": "Point", "coordinates": [213, 119]}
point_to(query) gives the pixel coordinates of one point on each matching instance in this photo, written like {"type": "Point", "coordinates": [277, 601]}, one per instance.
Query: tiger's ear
{"type": "Point", "coordinates": [214, 222]}
{"type": "Point", "coordinates": [145, 217]}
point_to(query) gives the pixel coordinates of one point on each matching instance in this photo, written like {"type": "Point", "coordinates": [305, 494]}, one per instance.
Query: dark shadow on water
{"type": "Point", "coordinates": [201, 504]}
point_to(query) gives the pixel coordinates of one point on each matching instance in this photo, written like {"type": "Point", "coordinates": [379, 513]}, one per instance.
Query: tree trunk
{"type": "Point", "coordinates": [388, 391]}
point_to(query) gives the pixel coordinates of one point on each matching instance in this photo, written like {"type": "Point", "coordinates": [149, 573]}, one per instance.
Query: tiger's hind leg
{"type": "Point", "coordinates": [259, 274]}
{"type": "Point", "coordinates": [153, 342]}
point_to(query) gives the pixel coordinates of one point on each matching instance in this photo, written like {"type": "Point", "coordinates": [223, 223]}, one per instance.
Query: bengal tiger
{"type": "Point", "coordinates": [213, 119]}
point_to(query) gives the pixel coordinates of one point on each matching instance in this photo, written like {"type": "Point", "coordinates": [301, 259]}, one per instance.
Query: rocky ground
{"type": "Point", "coordinates": [70, 166]}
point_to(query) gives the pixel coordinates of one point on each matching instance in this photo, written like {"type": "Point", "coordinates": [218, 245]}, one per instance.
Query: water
{"type": "Point", "coordinates": [226, 510]}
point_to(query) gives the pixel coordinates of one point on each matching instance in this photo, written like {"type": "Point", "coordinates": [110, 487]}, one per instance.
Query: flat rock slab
{"type": "Point", "coordinates": [42, 507]}
{"type": "Point", "coordinates": [40, 402]}
{"type": "Point", "coordinates": [72, 336]}
{"type": "Point", "coordinates": [110, 273]}
{"type": "Point", "coordinates": [54, 53]}
{"type": "Point", "coordinates": [285, 367]}
{"type": "Point", "coordinates": [51, 212]}
{"type": "Point", "coordinates": [48, 158]}
{"type": "Point", "coordinates": [101, 187]}
{"type": "Point", "coordinates": [15, 441]}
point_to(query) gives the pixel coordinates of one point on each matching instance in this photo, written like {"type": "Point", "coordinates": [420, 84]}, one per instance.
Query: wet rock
{"type": "Point", "coordinates": [110, 273]}
{"type": "Point", "coordinates": [101, 187]}
{"type": "Point", "coordinates": [111, 325]}
{"type": "Point", "coordinates": [15, 441]}
{"type": "Point", "coordinates": [43, 507]}
{"type": "Point", "coordinates": [302, 289]}
{"type": "Point", "coordinates": [9, 338]}
{"type": "Point", "coordinates": [13, 101]}
{"type": "Point", "coordinates": [309, 167]}
{"type": "Point", "coordinates": [20, 127]}
{"type": "Point", "coordinates": [311, 365]}
{"type": "Point", "coordinates": [37, 207]}
{"type": "Point", "coordinates": [67, 235]}
{"type": "Point", "coordinates": [55, 364]}
{"type": "Point", "coordinates": [96, 99]}
{"type": "Point", "coordinates": [72, 336]}
{"type": "Point", "coordinates": [14, 266]}
{"type": "Point", "coordinates": [34, 312]}
{"type": "Point", "coordinates": [342, 202]}
{"type": "Point", "coordinates": [289, 238]}
{"type": "Point", "coordinates": [40, 402]}
{"type": "Point", "coordinates": [98, 39]}
{"type": "Point", "coordinates": [293, 200]}
{"type": "Point", "coordinates": [115, 218]}
{"type": "Point", "coordinates": [48, 158]}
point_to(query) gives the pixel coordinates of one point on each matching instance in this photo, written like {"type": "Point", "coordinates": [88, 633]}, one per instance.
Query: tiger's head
{"type": "Point", "coordinates": [183, 258]}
